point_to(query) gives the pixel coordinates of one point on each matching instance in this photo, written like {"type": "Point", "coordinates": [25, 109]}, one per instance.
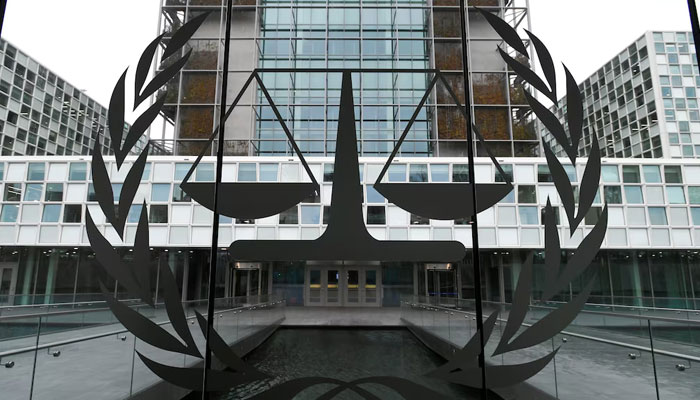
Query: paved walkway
{"type": "Point", "coordinates": [106, 367]}
{"type": "Point", "coordinates": [585, 369]}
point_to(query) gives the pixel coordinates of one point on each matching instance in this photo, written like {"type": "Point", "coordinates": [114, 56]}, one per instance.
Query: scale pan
{"type": "Point", "coordinates": [250, 200]}
{"type": "Point", "coordinates": [443, 200]}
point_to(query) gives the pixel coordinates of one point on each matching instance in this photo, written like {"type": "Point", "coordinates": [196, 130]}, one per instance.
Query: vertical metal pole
{"type": "Point", "coordinates": [215, 224]}
{"type": "Point", "coordinates": [653, 359]}
{"type": "Point", "coordinates": [695, 24]}
{"type": "Point", "coordinates": [472, 181]}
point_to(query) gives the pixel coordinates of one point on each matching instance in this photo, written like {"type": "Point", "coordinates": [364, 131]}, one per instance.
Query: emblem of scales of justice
{"type": "Point", "coordinates": [346, 237]}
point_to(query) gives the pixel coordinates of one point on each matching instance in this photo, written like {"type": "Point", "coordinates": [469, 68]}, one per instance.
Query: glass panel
{"type": "Point", "coordinates": [440, 173]}
{"type": "Point", "coordinates": [353, 286]}
{"type": "Point", "coordinates": [652, 174]}
{"type": "Point", "coordinates": [310, 214]}
{"type": "Point", "coordinates": [376, 215]}
{"type": "Point", "coordinates": [332, 287]}
{"type": "Point", "coordinates": [314, 286]}
{"type": "Point", "coordinates": [460, 173]}
{"type": "Point", "coordinates": [181, 169]}
{"type": "Point", "coordinates": [78, 171]}
{"type": "Point", "coordinates": [418, 173]}
{"type": "Point", "coordinates": [268, 172]}
{"type": "Point", "coordinates": [54, 192]}
{"type": "Point", "coordinates": [33, 192]}
{"type": "Point", "coordinates": [73, 213]}
{"type": "Point", "coordinates": [247, 172]}
{"type": "Point", "coordinates": [630, 174]}
{"type": "Point", "coordinates": [633, 194]}
{"type": "Point", "coordinates": [675, 194]}
{"type": "Point", "coordinates": [672, 173]}
{"type": "Point", "coordinates": [205, 173]}
{"type": "Point", "coordinates": [160, 192]}
{"type": "Point", "coordinates": [52, 213]}
{"type": "Point", "coordinates": [527, 194]}
{"type": "Point", "coordinates": [371, 286]}
{"type": "Point", "coordinates": [657, 216]}
{"type": "Point", "coordinates": [35, 172]}
{"type": "Point", "coordinates": [9, 213]}
{"type": "Point", "coordinates": [610, 173]}
{"type": "Point", "coordinates": [158, 214]}
{"type": "Point", "coordinates": [13, 192]}
{"type": "Point", "coordinates": [528, 215]}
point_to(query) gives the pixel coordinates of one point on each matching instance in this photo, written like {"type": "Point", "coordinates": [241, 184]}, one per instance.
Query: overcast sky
{"type": "Point", "coordinates": [90, 42]}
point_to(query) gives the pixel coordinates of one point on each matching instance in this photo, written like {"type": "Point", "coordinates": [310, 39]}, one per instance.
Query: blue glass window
{"type": "Point", "coordinates": [695, 213]}
{"type": "Point", "coordinates": [9, 213]}
{"type": "Point", "coordinates": [268, 172]}
{"type": "Point", "coordinates": [610, 173]}
{"type": "Point", "coordinates": [134, 213]}
{"type": "Point", "coordinates": [54, 191]}
{"type": "Point", "coordinates": [181, 170]}
{"type": "Point", "coordinates": [397, 173]}
{"type": "Point", "coordinates": [35, 172]}
{"type": "Point", "coordinates": [440, 172]}
{"type": "Point", "coordinates": [675, 194]}
{"type": "Point", "coordinates": [694, 194]}
{"type": "Point", "coordinates": [160, 192]}
{"type": "Point", "coordinates": [205, 173]}
{"type": "Point", "coordinates": [77, 172]}
{"type": "Point", "coordinates": [52, 212]}
{"type": "Point", "coordinates": [310, 214]}
{"type": "Point", "coordinates": [33, 192]}
{"type": "Point", "coordinates": [418, 173]}
{"type": "Point", "coordinates": [634, 194]}
{"type": "Point", "coordinates": [652, 174]}
{"type": "Point", "coordinates": [247, 172]}
{"type": "Point", "coordinates": [528, 215]}
{"type": "Point", "coordinates": [657, 216]}
{"type": "Point", "coordinates": [373, 196]}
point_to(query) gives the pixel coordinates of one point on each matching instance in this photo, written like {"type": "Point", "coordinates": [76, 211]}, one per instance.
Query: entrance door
{"type": "Point", "coordinates": [343, 286]}
{"type": "Point", "coordinates": [7, 285]}
{"type": "Point", "coordinates": [372, 283]}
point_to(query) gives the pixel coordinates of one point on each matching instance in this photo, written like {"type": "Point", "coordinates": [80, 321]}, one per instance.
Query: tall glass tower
{"type": "Point", "coordinates": [327, 35]}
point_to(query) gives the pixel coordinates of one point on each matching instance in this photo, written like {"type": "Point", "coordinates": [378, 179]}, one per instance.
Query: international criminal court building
{"type": "Point", "coordinates": [332, 200]}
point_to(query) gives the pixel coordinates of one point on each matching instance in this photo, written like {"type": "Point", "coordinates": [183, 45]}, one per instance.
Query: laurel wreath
{"type": "Point", "coordinates": [463, 368]}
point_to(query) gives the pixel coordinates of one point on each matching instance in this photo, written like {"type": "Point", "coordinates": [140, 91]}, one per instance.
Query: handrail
{"type": "Point", "coordinates": [88, 310]}
{"type": "Point", "coordinates": [116, 332]}
{"type": "Point", "coordinates": [578, 335]}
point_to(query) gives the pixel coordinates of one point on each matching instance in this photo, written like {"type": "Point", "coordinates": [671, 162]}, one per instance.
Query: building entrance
{"type": "Point", "coordinates": [337, 285]}
{"type": "Point", "coordinates": [8, 280]}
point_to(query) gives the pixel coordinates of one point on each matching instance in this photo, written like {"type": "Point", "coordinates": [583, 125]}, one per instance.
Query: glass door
{"type": "Point", "coordinates": [333, 287]}
{"type": "Point", "coordinates": [313, 287]}
{"type": "Point", "coordinates": [372, 285]}
{"type": "Point", "coordinates": [7, 285]}
{"type": "Point", "coordinates": [353, 286]}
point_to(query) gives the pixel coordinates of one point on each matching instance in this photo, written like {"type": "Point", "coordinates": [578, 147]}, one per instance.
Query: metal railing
{"type": "Point", "coordinates": [73, 353]}
{"type": "Point", "coordinates": [614, 355]}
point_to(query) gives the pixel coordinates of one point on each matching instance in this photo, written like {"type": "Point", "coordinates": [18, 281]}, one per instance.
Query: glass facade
{"type": "Point", "coordinates": [643, 102]}
{"type": "Point", "coordinates": [42, 114]}
{"type": "Point", "coordinates": [408, 34]}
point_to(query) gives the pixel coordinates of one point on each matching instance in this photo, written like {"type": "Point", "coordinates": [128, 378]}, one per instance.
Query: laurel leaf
{"type": "Point", "coordinates": [562, 184]}
{"type": "Point", "coordinates": [551, 122]}
{"type": "Point", "coordinates": [224, 353]}
{"type": "Point", "coordinates": [144, 66]}
{"type": "Point", "coordinates": [528, 75]}
{"type": "Point", "coordinates": [584, 254]}
{"type": "Point", "coordinates": [173, 307]}
{"type": "Point", "coordinates": [191, 378]}
{"type": "Point", "coordinates": [164, 76]}
{"type": "Point", "coordinates": [115, 114]}
{"type": "Point", "coordinates": [505, 31]}
{"type": "Point", "coordinates": [129, 189]}
{"type": "Point", "coordinates": [520, 304]}
{"type": "Point", "coordinates": [552, 323]}
{"type": "Point", "coordinates": [552, 247]}
{"type": "Point", "coordinates": [574, 110]}
{"type": "Point", "coordinates": [142, 264]}
{"type": "Point", "coordinates": [589, 183]}
{"type": "Point", "coordinates": [545, 62]}
{"type": "Point", "coordinates": [101, 184]}
{"type": "Point", "coordinates": [110, 260]}
{"type": "Point", "coordinates": [183, 34]}
{"type": "Point", "coordinates": [139, 127]}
